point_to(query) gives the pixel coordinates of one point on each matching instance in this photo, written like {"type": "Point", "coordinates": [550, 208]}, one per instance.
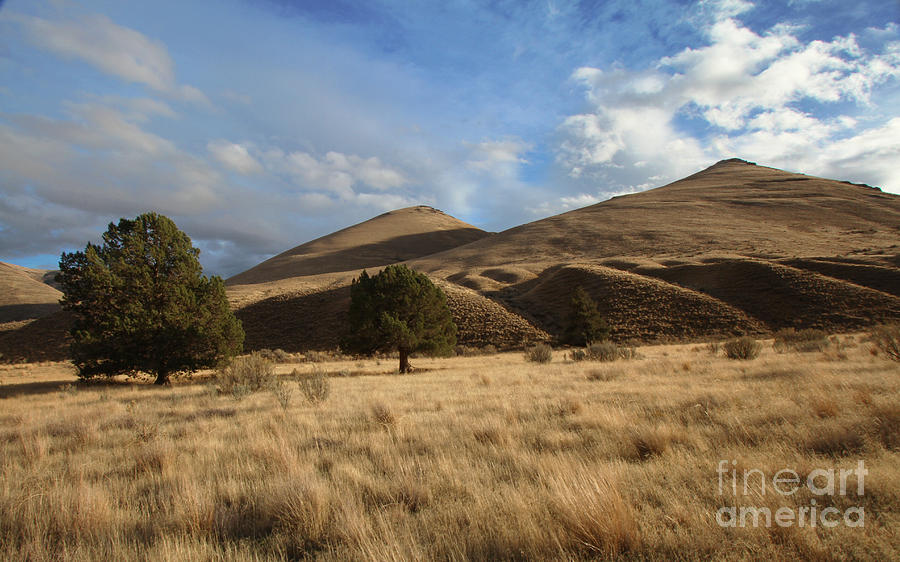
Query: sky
{"type": "Point", "coordinates": [259, 125]}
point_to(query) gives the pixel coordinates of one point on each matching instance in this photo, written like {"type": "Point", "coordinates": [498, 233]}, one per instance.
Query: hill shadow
{"type": "Point", "coordinates": [42, 339]}
{"type": "Point", "coordinates": [19, 312]}
{"type": "Point", "coordinates": [298, 322]}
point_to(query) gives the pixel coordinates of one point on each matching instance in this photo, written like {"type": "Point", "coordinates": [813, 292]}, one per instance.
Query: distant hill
{"type": "Point", "coordinates": [731, 208]}
{"type": "Point", "coordinates": [780, 248]}
{"type": "Point", "coordinates": [389, 238]}
{"type": "Point", "coordinates": [736, 248]}
{"type": "Point", "coordinates": [26, 293]}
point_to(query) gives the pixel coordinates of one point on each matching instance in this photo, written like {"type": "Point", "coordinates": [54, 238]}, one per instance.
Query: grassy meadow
{"type": "Point", "coordinates": [482, 457]}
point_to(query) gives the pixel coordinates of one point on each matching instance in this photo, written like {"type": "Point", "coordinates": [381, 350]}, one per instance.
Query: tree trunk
{"type": "Point", "coordinates": [162, 378]}
{"type": "Point", "coordinates": [404, 360]}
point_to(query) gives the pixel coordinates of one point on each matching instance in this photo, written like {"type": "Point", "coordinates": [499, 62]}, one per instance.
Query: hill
{"type": "Point", "coordinates": [733, 207]}
{"type": "Point", "coordinates": [773, 248]}
{"type": "Point", "coordinates": [389, 238]}
{"type": "Point", "coordinates": [26, 293]}
{"type": "Point", "coordinates": [735, 248]}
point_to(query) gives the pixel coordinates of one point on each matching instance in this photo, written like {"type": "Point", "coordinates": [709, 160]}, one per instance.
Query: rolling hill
{"type": "Point", "coordinates": [393, 237]}
{"type": "Point", "coordinates": [735, 248]}
{"type": "Point", "coordinates": [27, 293]}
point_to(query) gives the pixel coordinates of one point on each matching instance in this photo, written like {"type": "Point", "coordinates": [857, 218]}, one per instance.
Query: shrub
{"type": "Point", "coordinates": [609, 351]}
{"type": "Point", "coordinates": [806, 340]}
{"type": "Point", "coordinates": [253, 372]}
{"type": "Point", "coordinates": [383, 415]}
{"type": "Point", "coordinates": [578, 355]}
{"type": "Point", "coordinates": [887, 340]}
{"type": "Point", "coordinates": [744, 348]}
{"type": "Point", "coordinates": [277, 355]}
{"type": "Point", "coordinates": [314, 356]}
{"type": "Point", "coordinates": [314, 386]}
{"type": "Point", "coordinates": [282, 393]}
{"type": "Point", "coordinates": [713, 347]}
{"type": "Point", "coordinates": [541, 353]}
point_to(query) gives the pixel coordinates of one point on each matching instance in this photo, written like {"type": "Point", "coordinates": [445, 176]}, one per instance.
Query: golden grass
{"type": "Point", "coordinates": [482, 458]}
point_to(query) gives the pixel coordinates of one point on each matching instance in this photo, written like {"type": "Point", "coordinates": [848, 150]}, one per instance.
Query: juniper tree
{"type": "Point", "coordinates": [399, 310]}
{"type": "Point", "coordinates": [141, 303]}
{"type": "Point", "coordinates": [586, 325]}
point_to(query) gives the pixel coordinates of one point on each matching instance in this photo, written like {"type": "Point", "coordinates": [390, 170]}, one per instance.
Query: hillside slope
{"type": "Point", "coordinates": [389, 238]}
{"type": "Point", "coordinates": [736, 248]}
{"type": "Point", "coordinates": [25, 293]}
{"type": "Point", "coordinates": [733, 207]}
{"type": "Point", "coordinates": [772, 248]}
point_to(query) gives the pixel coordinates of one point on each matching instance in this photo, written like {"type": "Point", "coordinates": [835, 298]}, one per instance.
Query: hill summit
{"type": "Point", "coordinates": [736, 248]}
{"type": "Point", "coordinates": [388, 238]}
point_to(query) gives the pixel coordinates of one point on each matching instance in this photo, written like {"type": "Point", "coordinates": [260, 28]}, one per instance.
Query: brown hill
{"type": "Point", "coordinates": [298, 300]}
{"type": "Point", "coordinates": [749, 237]}
{"type": "Point", "coordinates": [389, 238]}
{"type": "Point", "coordinates": [733, 207]}
{"type": "Point", "coordinates": [26, 293]}
{"type": "Point", "coordinates": [736, 248]}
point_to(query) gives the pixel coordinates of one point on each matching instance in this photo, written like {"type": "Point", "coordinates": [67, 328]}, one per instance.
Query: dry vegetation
{"type": "Point", "coordinates": [480, 457]}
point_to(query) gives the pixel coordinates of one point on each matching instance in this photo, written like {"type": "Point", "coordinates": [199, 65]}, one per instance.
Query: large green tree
{"type": "Point", "coordinates": [399, 310]}
{"type": "Point", "coordinates": [141, 303]}
{"type": "Point", "coordinates": [585, 325]}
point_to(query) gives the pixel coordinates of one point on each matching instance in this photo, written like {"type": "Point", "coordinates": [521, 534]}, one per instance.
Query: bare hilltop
{"type": "Point", "coordinates": [736, 248]}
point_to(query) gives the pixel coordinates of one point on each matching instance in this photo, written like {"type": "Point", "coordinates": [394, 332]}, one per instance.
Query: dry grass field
{"type": "Point", "coordinates": [485, 458]}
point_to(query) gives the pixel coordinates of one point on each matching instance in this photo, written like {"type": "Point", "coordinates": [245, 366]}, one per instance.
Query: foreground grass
{"type": "Point", "coordinates": [472, 458]}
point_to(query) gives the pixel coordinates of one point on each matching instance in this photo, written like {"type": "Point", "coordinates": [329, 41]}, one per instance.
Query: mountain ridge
{"type": "Point", "coordinates": [735, 248]}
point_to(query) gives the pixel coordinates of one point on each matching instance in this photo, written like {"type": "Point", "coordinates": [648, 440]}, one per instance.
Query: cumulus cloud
{"type": "Point", "coordinates": [114, 49]}
{"type": "Point", "coordinates": [234, 157]}
{"type": "Point", "coordinates": [763, 96]}
{"type": "Point", "coordinates": [336, 172]}
{"type": "Point", "coordinates": [97, 163]}
{"type": "Point", "coordinates": [497, 155]}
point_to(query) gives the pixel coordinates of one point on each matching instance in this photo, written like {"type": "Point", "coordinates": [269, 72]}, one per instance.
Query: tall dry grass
{"type": "Point", "coordinates": [476, 458]}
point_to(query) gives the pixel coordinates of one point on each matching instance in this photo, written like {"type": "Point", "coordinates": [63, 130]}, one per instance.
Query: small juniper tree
{"type": "Point", "coordinates": [141, 303]}
{"type": "Point", "coordinates": [399, 309]}
{"type": "Point", "coordinates": [586, 325]}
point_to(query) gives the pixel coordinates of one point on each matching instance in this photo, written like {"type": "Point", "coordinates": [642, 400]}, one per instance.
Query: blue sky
{"type": "Point", "coordinates": [259, 125]}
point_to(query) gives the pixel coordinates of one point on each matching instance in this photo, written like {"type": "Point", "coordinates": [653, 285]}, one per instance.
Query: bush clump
{"type": "Point", "coordinates": [246, 374]}
{"type": "Point", "coordinates": [277, 355]}
{"type": "Point", "coordinates": [887, 340]}
{"type": "Point", "coordinates": [744, 348]}
{"type": "Point", "coordinates": [314, 386]}
{"type": "Point", "coordinates": [803, 341]}
{"type": "Point", "coordinates": [609, 351]}
{"type": "Point", "coordinates": [541, 353]}
{"type": "Point", "coordinates": [578, 355]}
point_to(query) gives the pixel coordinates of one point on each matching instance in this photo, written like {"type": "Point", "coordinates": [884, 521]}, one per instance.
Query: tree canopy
{"type": "Point", "coordinates": [141, 303]}
{"type": "Point", "coordinates": [399, 310]}
{"type": "Point", "coordinates": [586, 324]}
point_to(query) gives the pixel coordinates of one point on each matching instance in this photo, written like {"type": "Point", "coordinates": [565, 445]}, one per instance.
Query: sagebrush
{"type": "Point", "coordinates": [887, 340]}
{"type": "Point", "coordinates": [540, 353]}
{"type": "Point", "coordinates": [743, 348]}
{"type": "Point", "coordinates": [252, 372]}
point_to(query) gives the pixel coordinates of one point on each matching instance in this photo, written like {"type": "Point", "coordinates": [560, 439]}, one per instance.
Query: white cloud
{"type": "Point", "coordinates": [234, 157]}
{"type": "Point", "coordinates": [748, 90]}
{"type": "Point", "coordinates": [491, 155]}
{"type": "Point", "coordinates": [112, 48]}
{"type": "Point", "coordinates": [336, 172]}
{"type": "Point", "coordinates": [101, 160]}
